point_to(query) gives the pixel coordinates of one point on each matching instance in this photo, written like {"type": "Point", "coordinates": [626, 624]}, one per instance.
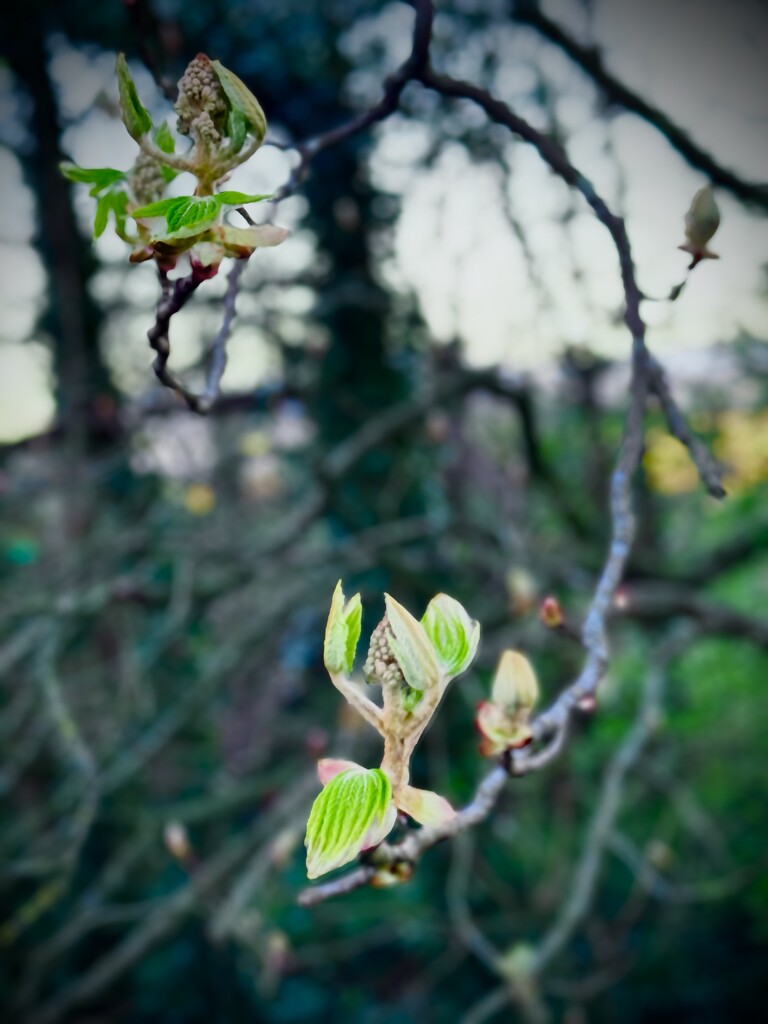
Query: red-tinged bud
{"type": "Point", "coordinates": [550, 613]}
{"type": "Point", "coordinates": [621, 599]}
{"type": "Point", "coordinates": [587, 704]}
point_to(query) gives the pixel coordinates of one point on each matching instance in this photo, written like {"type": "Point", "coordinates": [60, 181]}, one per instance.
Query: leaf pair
{"type": "Point", "coordinates": [190, 215]}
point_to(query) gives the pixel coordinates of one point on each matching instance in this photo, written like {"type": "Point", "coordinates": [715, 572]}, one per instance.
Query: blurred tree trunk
{"type": "Point", "coordinates": [85, 397]}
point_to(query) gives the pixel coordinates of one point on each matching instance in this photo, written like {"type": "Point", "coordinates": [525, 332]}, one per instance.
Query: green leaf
{"type": "Point", "coordinates": [453, 633]}
{"type": "Point", "coordinates": [163, 138]}
{"type": "Point", "coordinates": [342, 631]}
{"type": "Point", "coordinates": [238, 198]}
{"type": "Point", "coordinates": [411, 647]}
{"type": "Point", "coordinates": [185, 216]}
{"type": "Point", "coordinates": [353, 812]}
{"type": "Point", "coordinates": [242, 100]}
{"type": "Point", "coordinates": [193, 212]}
{"type": "Point", "coordinates": [135, 118]}
{"type": "Point", "coordinates": [103, 206]}
{"type": "Point", "coordinates": [99, 177]}
{"type": "Point", "coordinates": [237, 129]}
{"type": "Point", "coordinates": [113, 202]}
{"type": "Point", "coordinates": [158, 209]}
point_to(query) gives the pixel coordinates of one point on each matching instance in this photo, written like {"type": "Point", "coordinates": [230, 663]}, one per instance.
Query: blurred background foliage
{"type": "Point", "coordinates": [165, 579]}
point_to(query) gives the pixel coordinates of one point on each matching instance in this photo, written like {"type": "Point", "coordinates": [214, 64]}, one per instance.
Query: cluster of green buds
{"type": "Point", "coordinates": [411, 662]}
{"type": "Point", "coordinates": [225, 124]}
{"type": "Point", "coordinates": [701, 222]}
{"type": "Point", "coordinates": [504, 720]}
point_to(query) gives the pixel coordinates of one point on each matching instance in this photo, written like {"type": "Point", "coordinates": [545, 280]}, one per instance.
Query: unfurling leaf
{"type": "Point", "coordinates": [453, 633]}
{"type": "Point", "coordinates": [411, 647]}
{"type": "Point", "coordinates": [242, 101]}
{"type": "Point", "coordinates": [342, 631]}
{"type": "Point", "coordinates": [352, 813]}
{"type": "Point", "coordinates": [135, 118]}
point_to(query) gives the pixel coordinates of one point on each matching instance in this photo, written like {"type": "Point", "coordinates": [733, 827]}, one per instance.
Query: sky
{"type": "Point", "coordinates": [456, 244]}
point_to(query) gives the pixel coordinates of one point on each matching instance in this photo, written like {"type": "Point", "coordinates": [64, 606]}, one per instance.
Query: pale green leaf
{"type": "Point", "coordinates": [349, 814]}
{"type": "Point", "coordinates": [237, 129]}
{"type": "Point", "coordinates": [164, 138]}
{"type": "Point", "coordinates": [453, 633]}
{"type": "Point", "coordinates": [342, 631]}
{"type": "Point", "coordinates": [242, 100]}
{"type": "Point", "coordinates": [515, 687]}
{"type": "Point", "coordinates": [411, 647]}
{"type": "Point", "coordinates": [424, 806]}
{"type": "Point", "coordinates": [239, 198]}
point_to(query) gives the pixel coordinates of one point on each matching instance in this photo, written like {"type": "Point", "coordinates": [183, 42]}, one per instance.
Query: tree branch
{"type": "Point", "coordinates": [590, 61]}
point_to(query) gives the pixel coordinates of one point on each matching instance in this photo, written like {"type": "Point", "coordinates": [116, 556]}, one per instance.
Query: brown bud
{"type": "Point", "coordinates": [550, 613]}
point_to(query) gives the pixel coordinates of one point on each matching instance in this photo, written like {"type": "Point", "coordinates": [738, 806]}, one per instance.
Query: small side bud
{"type": "Point", "coordinates": [515, 687]}
{"type": "Point", "coordinates": [342, 632]}
{"type": "Point", "coordinates": [701, 222]}
{"type": "Point", "coordinates": [550, 613]}
{"type": "Point", "coordinates": [135, 118]}
{"type": "Point", "coordinates": [504, 720]}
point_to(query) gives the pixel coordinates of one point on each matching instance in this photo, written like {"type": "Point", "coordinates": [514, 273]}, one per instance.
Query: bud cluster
{"type": "Point", "coordinates": [381, 665]}
{"type": "Point", "coordinates": [201, 107]}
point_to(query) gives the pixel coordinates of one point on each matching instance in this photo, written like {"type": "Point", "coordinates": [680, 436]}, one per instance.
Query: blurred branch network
{"type": "Point", "coordinates": [166, 578]}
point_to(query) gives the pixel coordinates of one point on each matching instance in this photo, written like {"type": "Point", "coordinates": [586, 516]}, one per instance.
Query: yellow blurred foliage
{"type": "Point", "coordinates": [668, 465]}
{"type": "Point", "coordinates": [199, 499]}
{"type": "Point", "coordinates": [740, 444]}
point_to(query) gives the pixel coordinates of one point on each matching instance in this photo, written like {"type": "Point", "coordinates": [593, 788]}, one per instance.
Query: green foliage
{"type": "Point", "coordinates": [350, 813]}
